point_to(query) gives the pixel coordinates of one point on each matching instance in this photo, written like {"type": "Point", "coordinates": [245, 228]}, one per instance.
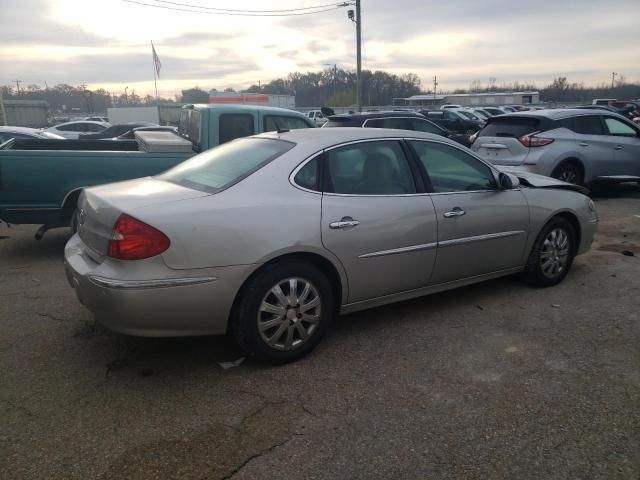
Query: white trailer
{"type": "Point", "coordinates": [267, 100]}
{"type": "Point", "coordinates": [133, 114]}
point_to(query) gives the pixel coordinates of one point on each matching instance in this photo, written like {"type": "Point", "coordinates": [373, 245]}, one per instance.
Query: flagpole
{"type": "Point", "coordinates": [153, 61]}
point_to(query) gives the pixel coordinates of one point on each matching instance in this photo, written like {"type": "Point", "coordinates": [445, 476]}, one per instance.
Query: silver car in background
{"type": "Point", "coordinates": [269, 237]}
{"type": "Point", "coordinates": [578, 146]}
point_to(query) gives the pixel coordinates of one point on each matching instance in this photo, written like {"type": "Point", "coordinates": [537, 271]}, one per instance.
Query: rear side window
{"type": "Point", "coordinates": [235, 125]}
{"type": "Point", "coordinates": [309, 176]}
{"type": "Point", "coordinates": [513, 127]}
{"type": "Point", "coordinates": [226, 165]}
{"type": "Point", "coordinates": [588, 125]}
{"type": "Point", "coordinates": [370, 168]}
{"type": "Point", "coordinates": [283, 122]}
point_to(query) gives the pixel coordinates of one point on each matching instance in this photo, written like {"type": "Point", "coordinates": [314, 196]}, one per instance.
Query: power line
{"type": "Point", "coordinates": [237, 14]}
{"type": "Point", "coordinates": [242, 10]}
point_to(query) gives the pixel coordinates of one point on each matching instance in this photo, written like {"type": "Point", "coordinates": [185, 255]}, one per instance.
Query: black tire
{"type": "Point", "coordinates": [534, 272]}
{"type": "Point", "coordinates": [247, 314]}
{"type": "Point", "coordinates": [569, 172]}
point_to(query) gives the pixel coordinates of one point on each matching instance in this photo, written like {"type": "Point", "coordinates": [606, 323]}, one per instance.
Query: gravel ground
{"type": "Point", "coordinates": [496, 380]}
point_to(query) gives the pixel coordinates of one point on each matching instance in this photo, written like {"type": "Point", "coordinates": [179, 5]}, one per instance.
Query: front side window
{"type": "Point", "coordinates": [283, 122]}
{"type": "Point", "coordinates": [589, 125]}
{"type": "Point", "coordinates": [452, 170]}
{"type": "Point", "coordinates": [369, 168]}
{"type": "Point", "coordinates": [235, 125]}
{"type": "Point", "coordinates": [616, 127]}
{"type": "Point", "coordinates": [226, 165]}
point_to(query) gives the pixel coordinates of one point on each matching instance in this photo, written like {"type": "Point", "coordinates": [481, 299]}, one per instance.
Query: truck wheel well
{"type": "Point", "coordinates": [71, 201]}
{"type": "Point", "coordinates": [318, 261]}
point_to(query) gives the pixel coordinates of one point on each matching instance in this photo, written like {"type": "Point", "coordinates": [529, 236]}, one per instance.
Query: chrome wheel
{"type": "Point", "coordinates": [568, 176]}
{"type": "Point", "coordinates": [554, 255]}
{"type": "Point", "coordinates": [289, 313]}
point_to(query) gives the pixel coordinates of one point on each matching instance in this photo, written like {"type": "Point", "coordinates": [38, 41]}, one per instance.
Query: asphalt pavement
{"type": "Point", "coordinates": [496, 380]}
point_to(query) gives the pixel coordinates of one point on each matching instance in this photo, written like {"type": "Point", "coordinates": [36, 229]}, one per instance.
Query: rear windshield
{"type": "Point", "coordinates": [226, 165]}
{"type": "Point", "coordinates": [510, 127]}
{"type": "Point", "coordinates": [189, 126]}
{"type": "Point", "coordinates": [338, 122]}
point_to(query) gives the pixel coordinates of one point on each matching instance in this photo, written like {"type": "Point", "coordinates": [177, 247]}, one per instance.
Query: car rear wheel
{"type": "Point", "coordinates": [282, 313]}
{"type": "Point", "coordinates": [552, 254]}
{"type": "Point", "coordinates": [569, 172]}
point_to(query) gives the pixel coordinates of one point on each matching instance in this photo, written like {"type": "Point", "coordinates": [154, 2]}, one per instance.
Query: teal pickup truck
{"type": "Point", "coordinates": [40, 180]}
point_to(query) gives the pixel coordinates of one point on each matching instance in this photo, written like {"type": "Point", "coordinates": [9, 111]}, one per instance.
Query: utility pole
{"type": "Point", "coordinates": [359, 55]}
{"type": "Point", "coordinates": [613, 78]}
{"type": "Point", "coordinates": [435, 86]}
{"type": "Point", "coordinates": [358, 21]}
{"type": "Point", "coordinates": [18, 85]}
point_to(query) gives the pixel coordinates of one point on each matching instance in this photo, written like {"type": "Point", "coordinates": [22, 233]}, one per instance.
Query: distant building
{"type": "Point", "coordinates": [24, 113]}
{"type": "Point", "coordinates": [469, 99]}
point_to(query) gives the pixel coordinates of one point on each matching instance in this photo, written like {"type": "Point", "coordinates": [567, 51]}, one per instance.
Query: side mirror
{"type": "Point", "coordinates": [507, 181]}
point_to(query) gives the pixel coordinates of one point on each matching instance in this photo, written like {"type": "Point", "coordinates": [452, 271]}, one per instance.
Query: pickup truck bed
{"type": "Point", "coordinates": [31, 183]}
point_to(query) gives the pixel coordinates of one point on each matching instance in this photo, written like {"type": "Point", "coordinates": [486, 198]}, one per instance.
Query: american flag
{"type": "Point", "coordinates": [156, 60]}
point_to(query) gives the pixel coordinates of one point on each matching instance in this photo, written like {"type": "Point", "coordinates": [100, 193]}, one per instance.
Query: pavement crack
{"type": "Point", "coordinates": [261, 453]}
{"type": "Point", "coordinates": [52, 317]}
{"type": "Point", "coordinates": [22, 409]}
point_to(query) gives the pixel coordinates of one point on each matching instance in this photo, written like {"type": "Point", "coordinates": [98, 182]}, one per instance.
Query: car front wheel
{"type": "Point", "coordinates": [552, 254]}
{"type": "Point", "coordinates": [283, 312]}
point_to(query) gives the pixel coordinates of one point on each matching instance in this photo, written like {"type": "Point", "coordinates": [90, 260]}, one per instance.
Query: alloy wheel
{"type": "Point", "coordinates": [289, 313]}
{"type": "Point", "coordinates": [568, 176]}
{"type": "Point", "coordinates": [554, 255]}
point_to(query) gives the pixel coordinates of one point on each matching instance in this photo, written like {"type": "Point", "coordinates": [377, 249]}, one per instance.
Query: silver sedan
{"type": "Point", "coordinates": [270, 237]}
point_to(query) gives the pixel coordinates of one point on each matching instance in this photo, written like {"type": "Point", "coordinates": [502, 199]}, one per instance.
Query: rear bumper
{"type": "Point", "coordinates": [172, 303]}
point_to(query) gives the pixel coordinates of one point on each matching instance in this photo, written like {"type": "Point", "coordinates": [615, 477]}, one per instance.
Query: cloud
{"type": "Point", "coordinates": [191, 38]}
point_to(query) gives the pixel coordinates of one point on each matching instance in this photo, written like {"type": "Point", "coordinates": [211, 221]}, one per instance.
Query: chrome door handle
{"type": "Point", "coordinates": [456, 212]}
{"type": "Point", "coordinates": [583, 144]}
{"type": "Point", "coordinates": [346, 222]}
{"type": "Point", "coordinates": [618, 147]}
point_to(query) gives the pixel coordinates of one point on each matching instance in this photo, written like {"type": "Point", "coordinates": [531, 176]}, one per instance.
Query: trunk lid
{"type": "Point", "coordinates": [498, 141]}
{"type": "Point", "coordinates": [99, 207]}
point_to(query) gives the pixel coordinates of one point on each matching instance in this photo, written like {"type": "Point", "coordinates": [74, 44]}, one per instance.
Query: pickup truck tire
{"type": "Point", "coordinates": [282, 312]}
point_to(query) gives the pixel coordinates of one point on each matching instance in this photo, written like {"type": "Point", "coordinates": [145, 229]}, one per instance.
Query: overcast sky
{"type": "Point", "coordinates": [105, 43]}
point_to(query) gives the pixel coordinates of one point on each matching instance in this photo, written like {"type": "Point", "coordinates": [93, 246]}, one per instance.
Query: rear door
{"type": "Point", "coordinates": [498, 141]}
{"type": "Point", "coordinates": [596, 148]}
{"type": "Point", "coordinates": [375, 220]}
{"type": "Point", "coordinates": [481, 229]}
{"type": "Point", "coordinates": [626, 145]}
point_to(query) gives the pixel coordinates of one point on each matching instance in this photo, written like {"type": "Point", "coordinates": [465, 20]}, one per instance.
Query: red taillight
{"type": "Point", "coordinates": [530, 140]}
{"type": "Point", "coordinates": [132, 239]}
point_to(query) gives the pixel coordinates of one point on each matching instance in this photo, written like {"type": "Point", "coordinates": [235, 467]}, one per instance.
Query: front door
{"type": "Point", "coordinates": [375, 220]}
{"type": "Point", "coordinates": [626, 145]}
{"type": "Point", "coordinates": [480, 229]}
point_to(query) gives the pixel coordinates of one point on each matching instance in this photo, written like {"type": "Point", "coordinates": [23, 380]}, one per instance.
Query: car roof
{"type": "Point", "coordinates": [559, 113]}
{"type": "Point", "coordinates": [19, 130]}
{"type": "Point", "coordinates": [318, 138]}
{"type": "Point", "coordinates": [379, 114]}
{"type": "Point", "coordinates": [241, 107]}
{"type": "Point", "coordinates": [75, 122]}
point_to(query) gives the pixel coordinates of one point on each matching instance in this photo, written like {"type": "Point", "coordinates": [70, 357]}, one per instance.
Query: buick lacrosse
{"type": "Point", "coordinates": [269, 237]}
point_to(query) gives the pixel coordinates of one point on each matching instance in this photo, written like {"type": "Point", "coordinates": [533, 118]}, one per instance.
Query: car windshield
{"type": "Point", "coordinates": [226, 165]}
{"type": "Point", "coordinates": [466, 115]}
